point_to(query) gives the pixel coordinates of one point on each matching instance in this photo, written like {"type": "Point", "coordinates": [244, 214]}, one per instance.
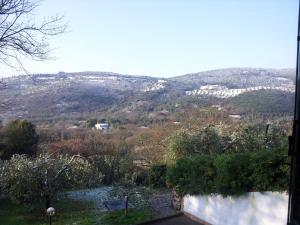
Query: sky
{"type": "Point", "coordinates": [169, 37]}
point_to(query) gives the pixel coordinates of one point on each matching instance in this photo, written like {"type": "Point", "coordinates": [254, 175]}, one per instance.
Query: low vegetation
{"type": "Point", "coordinates": [231, 174]}
{"type": "Point", "coordinates": [27, 180]}
{"type": "Point", "coordinates": [204, 152]}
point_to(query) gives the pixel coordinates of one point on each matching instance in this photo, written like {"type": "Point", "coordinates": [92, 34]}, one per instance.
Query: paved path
{"type": "Point", "coordinates": [176, 220]}
{"type": "Point", "coordinates": [162, 204]}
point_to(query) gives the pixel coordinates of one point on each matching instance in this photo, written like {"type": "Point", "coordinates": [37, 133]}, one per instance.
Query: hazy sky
{"type": "Point", "coordinates": [170, 37]}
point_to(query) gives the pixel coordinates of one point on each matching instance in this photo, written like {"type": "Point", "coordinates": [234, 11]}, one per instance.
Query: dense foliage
{"type": "Point", "coordinates": [230, 174]}
{"type": "Point", "coordinates": [28, 180]}
{"type": "Point", "coordinates": [157, 175]}
{"type": "Point", "coordinates": [193, 175]}
{"type": "Point", "coordinates": [207, 140]}
{"type": "Point", "coordinates": [234, 173]}
{"type": "Point", "coordinates": [19, 137]}
{"type": "Point", "coordinates": [205, 153]}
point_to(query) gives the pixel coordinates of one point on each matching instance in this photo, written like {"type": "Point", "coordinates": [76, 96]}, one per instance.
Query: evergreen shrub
{"type": "Point", "coordinates": [230, 174]}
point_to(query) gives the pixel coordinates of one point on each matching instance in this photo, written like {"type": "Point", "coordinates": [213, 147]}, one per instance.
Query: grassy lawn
{"type": "Point", "coordinates": [68, 212]}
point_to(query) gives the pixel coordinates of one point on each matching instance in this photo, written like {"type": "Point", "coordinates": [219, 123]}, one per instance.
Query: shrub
{"type": "Point", "coordinates": [137, 176]}
{"type": "Point", "coordinates": [193, 175]}
{"type": "Point", "coordinates": [19, 137]}
{"type": "Point", "coordinates": [270, 170]}
{"type": "Point", "coordinates": [120, 168]}
{"type": "Point", "coordinates": [157, 175]}
{"type": "Point", "coordinates": [230, 174]}
{"type": "Point", "coordinates": [109, 165]}
{"type": "Point", "coordinates": [182, 143]}
{"type": "Point", "coordinates": [210, 141]}
{"type": "Point", "coordinates": [233, 174]}
{"type": "Point", "coordinates": [179, 144]}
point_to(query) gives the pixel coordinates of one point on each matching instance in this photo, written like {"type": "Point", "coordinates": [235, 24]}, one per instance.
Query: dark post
{"type": "Point", "coordinates": [294, 152]}
{"type": "Point", "coordinates": [126, 205]}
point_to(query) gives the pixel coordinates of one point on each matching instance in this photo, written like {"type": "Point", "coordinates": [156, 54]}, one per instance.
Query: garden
{"type": "Point", "coordinates": [81, 175]}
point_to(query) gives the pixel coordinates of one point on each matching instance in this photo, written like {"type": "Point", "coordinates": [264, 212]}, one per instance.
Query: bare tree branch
{"type": "Point", "coordinates": [20, 36]}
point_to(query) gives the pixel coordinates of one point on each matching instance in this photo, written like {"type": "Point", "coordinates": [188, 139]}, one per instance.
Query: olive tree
{"type": "Point", "coordinates": [183, 143]}
{"type": "Point", "coordinates": [28, 180]}
{"type": "Point", "coordinates": [178, 144]}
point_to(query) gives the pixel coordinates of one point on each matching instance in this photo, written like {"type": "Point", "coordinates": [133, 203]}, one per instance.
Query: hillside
{"type": "Point", "coordinates": [82, 95]}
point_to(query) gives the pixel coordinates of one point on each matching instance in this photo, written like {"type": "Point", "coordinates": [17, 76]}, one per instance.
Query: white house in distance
{"type": "Point", "coordinates": [102, 126]}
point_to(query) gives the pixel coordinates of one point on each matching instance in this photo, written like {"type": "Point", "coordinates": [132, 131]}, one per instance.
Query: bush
{"type": "Point", "coordinates": [233, 174]}
{"type": "Point", "coordinates": [19, 137]}
{"type": "Point", "coordinates": [193, 175]}
{"type": "Point", "coordinates": [109, 165]}
{"type": "Point", "coordinates": [270, 170]}
{"type": "Point", "coordinates": [179, 144]}
{"type": "Point", "coordinates": [182, 143]}
{"type": "Point", "coordinates": [138, 176]}
{"type": "Point", "coordinates": [230, 174]}
{"type": "Point", "coordinates": [157, 175]}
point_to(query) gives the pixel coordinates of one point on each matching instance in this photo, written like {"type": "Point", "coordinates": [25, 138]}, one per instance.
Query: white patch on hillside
{"type": "Point", "coordinates": [100, 77]}
{"type": "Point", "coordinates": [224, 92]}
{"type": "Point", "coordinates": [154, 87]}
{"type": "Point", "coordinates": [45, 78]}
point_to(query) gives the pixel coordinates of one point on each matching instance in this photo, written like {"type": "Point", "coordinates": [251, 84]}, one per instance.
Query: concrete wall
{"type": "Point", "coordinates": [255, 208]}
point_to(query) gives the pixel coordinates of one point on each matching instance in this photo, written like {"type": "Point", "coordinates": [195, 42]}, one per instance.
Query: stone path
{"type": "Point", "coordinates": [162, 204]}
{"type": "Point", "coordinates": [179, 219]}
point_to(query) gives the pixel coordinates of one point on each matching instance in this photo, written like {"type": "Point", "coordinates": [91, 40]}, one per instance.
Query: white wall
{"type": "Point", "coordinates": [255, 208]}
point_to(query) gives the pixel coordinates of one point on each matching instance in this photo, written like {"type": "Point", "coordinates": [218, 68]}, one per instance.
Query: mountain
{"type": "Point", "coordinates": [238, 77]}
{"type": "Point", "coordinates": [82, 95]}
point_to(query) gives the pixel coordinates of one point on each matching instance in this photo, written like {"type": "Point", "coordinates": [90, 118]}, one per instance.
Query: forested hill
{"type": "Point", "coordinates": [83, 94]}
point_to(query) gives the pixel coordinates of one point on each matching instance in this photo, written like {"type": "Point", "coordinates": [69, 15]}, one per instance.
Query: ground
{"type": "Point", "coordinates": [179, 219]}
{"type": "Point", "coordinates": [85, 207]}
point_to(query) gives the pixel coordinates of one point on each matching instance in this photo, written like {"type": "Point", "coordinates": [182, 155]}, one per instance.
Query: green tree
{"type": "Point", "coordinates": [179, 144]}
{"type": "Point", "coordinates": [186, 143]}
{"type": "Point", "coordinates": [39, 179]}
{"type": "Point", "coordinates": [210, 141]}
{"type": "Point", "coordinates": [19, 137]}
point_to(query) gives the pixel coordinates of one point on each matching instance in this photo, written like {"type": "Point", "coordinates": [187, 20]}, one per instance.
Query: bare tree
{"type": "Point", "coordinates": [21, 36]}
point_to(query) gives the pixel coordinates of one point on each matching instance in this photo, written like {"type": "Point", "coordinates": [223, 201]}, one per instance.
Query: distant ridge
{"type": "Point", "coordinates": [83, 94]}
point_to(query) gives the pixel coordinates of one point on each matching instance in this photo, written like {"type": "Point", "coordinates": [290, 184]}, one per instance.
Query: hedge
{"type": "Point", "coordinates": [230, 174]}
{"type": "Point", "coordinates": [270, 171]}
{"type": "Point", "coordinates": [233, 174]}
{"type": "Point", "coordinates": [193, 175]}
